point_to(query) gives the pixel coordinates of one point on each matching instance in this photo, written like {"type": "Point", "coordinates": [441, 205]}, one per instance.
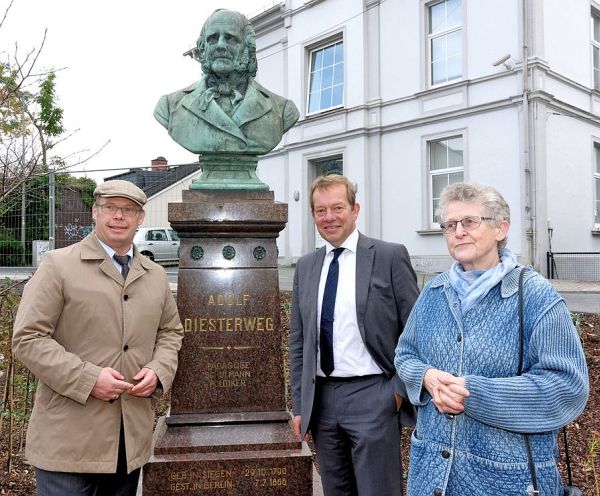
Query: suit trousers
{"type": "Point", "coordinates": [90, 484]}
{"type": "Point", "coordinates": [356, 430]}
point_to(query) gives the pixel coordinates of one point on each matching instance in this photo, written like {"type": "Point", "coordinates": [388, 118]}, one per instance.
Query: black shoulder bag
{"type": "Point", "coordinates": [570, 489]}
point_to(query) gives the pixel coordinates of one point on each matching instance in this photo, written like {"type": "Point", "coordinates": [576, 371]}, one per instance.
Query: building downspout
{"type": "Point", "coordinates": [527, 140]}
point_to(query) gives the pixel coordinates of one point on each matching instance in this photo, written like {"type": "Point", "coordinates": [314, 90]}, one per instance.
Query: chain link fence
{"type": "Point", "coordinates": [574, 266]}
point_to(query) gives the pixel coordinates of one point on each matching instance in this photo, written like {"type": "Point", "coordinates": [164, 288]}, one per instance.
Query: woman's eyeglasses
{"type": "Point", "coordinates": [469, 223]}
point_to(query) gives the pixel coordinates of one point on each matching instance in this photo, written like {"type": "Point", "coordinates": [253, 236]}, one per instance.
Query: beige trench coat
{"type": "Point", "coordinates": [76, 317]}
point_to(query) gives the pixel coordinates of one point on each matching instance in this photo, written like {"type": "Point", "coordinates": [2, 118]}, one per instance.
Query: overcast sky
{"type": "Point", "coordinates": [119, 57]}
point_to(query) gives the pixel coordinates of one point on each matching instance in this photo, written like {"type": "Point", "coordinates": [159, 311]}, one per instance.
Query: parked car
{"type": "Point", "coordinates": [160, 244]}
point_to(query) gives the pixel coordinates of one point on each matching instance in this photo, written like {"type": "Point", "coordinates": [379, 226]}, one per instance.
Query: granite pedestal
{"type": "Point", "coordinates": [228, 431]}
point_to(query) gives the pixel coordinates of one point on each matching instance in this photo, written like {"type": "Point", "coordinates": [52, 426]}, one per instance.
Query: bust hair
{"type": "Point", "coordinates": [248, 59]}
{"type": "Point", "coordinates": [326, 182]}
{"type": "Point", "coordinates": [493, 202]}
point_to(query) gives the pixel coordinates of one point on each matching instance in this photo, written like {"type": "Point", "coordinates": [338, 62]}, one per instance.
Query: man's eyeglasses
{"type": "Point", "coordinates": [107, 208]}
{"type": "Point", "coordinates": [468, 223]}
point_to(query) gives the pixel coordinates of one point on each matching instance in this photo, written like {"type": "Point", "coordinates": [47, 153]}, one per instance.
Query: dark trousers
{"type": "Point", "coordinates": [75, 484]}
{"type": "Point", "coordinates": [356, 431]}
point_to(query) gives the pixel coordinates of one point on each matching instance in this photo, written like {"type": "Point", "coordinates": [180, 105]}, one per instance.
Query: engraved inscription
{"type": "Point", "coordinates": [228, 324]}
{"type": "Point", "coordinates": [189, 480]}
{"type": "Point", "coordinates": [213, 480]}
{"type": "Point", "coordinates": [228, 374]}
{"type": "Point", "coordinates": [240, 323]}
{"type": "Point", "coordinates": [228, 299]}
{"type": "Point", "coordinates": [267, 476]}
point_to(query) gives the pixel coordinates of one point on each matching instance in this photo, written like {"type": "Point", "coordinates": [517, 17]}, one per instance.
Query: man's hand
{"type": "Point", "coordinates": [447, 392]}
{"type": "Point", "coordinates": [147, 385]}
{"type": "Point", "coordinates": [297, 425]}
{"type": "Point", "coordinates": [110, 385]}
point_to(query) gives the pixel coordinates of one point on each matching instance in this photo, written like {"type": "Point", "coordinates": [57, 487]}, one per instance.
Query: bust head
{"type": "Point", "coordinates": [227, 45]}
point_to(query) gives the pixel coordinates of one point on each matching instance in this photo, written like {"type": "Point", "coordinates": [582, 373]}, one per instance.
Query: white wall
{"type": "Point", "coordinates": [567, 45]}
{"type": "Point", "coordinates": [570, 159]}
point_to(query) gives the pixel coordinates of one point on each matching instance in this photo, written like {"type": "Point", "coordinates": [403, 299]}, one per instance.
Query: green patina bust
{"type": "Point", "coordinates": [227, 117]}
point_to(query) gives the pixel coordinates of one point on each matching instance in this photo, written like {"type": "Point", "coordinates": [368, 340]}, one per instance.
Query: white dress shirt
{"type": "Point", "coordinates": [350, 354]}
{"type": "Point", "coordinates": [110, 252]}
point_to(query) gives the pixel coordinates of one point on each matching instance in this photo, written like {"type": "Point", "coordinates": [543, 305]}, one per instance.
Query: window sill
{"type": "Point", "coordinates": [442, 87]}
{"type": "Point", "coordinates": [596, 231]}
{"type": "Point", "coordinates": [433, 232]}
{"type": "Point", "coordinates": [321, 113]}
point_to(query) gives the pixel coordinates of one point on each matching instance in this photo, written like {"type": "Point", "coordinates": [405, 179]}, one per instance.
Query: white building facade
{"type": "Point", "coordinates": [407, 96]}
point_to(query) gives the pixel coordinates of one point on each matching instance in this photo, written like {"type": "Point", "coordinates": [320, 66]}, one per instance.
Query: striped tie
{"type": "Point", "coordinates": [123, 261]}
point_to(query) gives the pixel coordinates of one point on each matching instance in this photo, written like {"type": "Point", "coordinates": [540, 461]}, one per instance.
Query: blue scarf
{"type": "Point", "coordinates": [473, 285]}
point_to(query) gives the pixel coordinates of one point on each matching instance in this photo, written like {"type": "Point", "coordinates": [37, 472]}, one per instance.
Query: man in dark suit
{"type": "Point", "coordinates": [226, 111]}
{"type": "Point", "coordinates": [351, 299]}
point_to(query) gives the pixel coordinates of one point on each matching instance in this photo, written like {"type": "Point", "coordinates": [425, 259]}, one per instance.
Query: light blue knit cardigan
{"type": "Point", "coordinates": [482, 451]}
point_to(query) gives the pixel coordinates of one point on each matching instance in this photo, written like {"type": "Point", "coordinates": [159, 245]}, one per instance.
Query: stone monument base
{"type": "Point", "coordinates": [228, 431]}
{"type": "Point", "coordinates": [231, 454]}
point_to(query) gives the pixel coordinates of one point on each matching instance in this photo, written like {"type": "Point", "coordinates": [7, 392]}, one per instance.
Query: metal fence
{"type": "Point", "coordinates": [574, 266]}
{"type": "Point", "coordinates": [25, 221]}
{"type": "Point", "coordinates": [54, 210]}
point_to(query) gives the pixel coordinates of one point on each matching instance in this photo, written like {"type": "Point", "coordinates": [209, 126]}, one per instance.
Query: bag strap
{"type": "Point", "coordinates": [521, 319]}
{"type": "Point", "coordinates": [564, 429]}
{"type": "Point", "coordinates": [534, 481]}
{"type": "Point", "coordinates": [567, 457]}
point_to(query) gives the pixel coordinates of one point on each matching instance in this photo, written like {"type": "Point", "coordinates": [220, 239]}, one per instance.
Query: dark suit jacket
{"type": "Point", "coordinates": [200, 125]}
{"type": "Point", "coordinates": [386, 289]}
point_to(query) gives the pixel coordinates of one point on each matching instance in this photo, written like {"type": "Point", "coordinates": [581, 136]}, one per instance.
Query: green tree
{"type": "Point", "coordinates": [30, 117]}
{"type": "Point", "coordinates": [31, 125]}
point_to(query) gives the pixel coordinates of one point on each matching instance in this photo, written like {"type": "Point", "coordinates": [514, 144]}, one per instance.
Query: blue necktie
{"type": "Point", "coordinates": [327, 309]}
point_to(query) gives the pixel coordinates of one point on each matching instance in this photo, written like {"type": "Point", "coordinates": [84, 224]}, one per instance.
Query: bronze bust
{"type": "Point", "coordinates": [227, 111]}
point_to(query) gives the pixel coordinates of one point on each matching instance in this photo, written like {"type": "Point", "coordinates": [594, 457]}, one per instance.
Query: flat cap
{"type": "Point", "coordinates": [123, 189]}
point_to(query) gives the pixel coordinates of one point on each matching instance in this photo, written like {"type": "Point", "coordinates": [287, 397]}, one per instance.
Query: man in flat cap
{"type": "Point", "coordinates": [227, 110]}
{"type": "Point", "coordinates": [99, 328]}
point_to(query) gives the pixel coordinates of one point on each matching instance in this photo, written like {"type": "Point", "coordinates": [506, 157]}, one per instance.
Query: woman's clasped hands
{"type": "Point", "coordinates": [447, 391]}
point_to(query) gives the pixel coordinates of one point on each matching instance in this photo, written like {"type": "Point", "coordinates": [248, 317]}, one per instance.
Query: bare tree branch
{"type": "Point", "coordinates": [6, 13]}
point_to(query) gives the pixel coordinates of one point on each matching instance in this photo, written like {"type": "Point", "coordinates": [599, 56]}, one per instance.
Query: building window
{"type": "Point", "coordinates": [326, 86]}
{"type": "Point", "coordinates": [329, 165]}
{"type": "Point", "coordinates": [323, 166]}
{"type": "Point", "coordinates": [445, 41]}
{"type": "Point", "coordinates": [446, 166]}
{"type": "Point", "coordinates": [596, 49]}
{"type": "Point", "coordinates": [597, 185]}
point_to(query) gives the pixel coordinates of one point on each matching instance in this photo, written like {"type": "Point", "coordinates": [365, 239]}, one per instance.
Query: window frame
{"type": "Point", "coordinates": [596, 178]}
{"type": "Point", "coordinates": [460, 28]}
{"type": "Point", "coordinates": [311, 161]}
{"type": "Point", "coordinates": [595, 44]}
{"type": "Point", "coordinates": [432, 222]}
{"type": "Point", "coordinates": [322, 45]}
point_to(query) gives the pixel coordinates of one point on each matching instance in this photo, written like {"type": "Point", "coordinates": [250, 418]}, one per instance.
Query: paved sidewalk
{"type": "Point", "coordinates": [576, 286]}
{"type": "Point", "coordinates": [580, 296]}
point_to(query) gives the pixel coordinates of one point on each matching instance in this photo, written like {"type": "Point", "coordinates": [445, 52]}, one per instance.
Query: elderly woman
{"type": "Point", "coordinates": [459, 359]}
